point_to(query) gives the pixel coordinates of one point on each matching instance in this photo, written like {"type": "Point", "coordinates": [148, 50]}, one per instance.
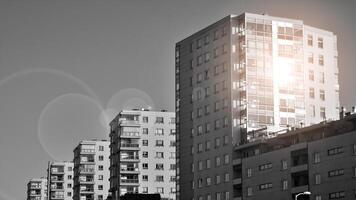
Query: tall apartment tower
{"type": "Point", "coordinates": [60, 180]}
{"type": "Point", "coordinates": [243, 78]}
{"type": "Point", "coordinates": [91, 170]}
{"type": "Point", "coordinates": [37, 189]}
{"type": "Point", "coordinates": [143, 153]}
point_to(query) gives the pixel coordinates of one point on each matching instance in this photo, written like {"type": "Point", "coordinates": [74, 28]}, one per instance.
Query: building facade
{"type": "Point", "coordinates": [60, 180]}
{"type": "Point", "coordinates": [242, 78]}
{"type": "Point", "coordinates": [143, 153]}
{"type": "Point", "coordinates": [91, 170]}
{"type": "Point", "coordinates": [37, 189]}
{"type": "Point", "coordinates": [319, 159]}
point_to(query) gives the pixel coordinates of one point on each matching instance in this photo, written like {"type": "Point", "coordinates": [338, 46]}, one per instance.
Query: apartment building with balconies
{"type": "Point", "coordinates": [37, 189]}
{"type": "Point", "coordinates": [91, 170]}
{"type": "Point", "coordinates": [243, 78]}
{"type": "Point", "coordinates": [60, 180]}
{"type": "Point", "coordinates": [143, 153]}
{"type": "Point", "coordinates": [319, 158]}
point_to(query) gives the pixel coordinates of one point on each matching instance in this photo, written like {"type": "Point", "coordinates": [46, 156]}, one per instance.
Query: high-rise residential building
{"type": "Point", "coordinates": [243, 78]}
{"type": "Point", "coordinates": [37, 189]}
{"type": "Point", "coordinates": [60, 180]}
{"type": "Point", "coordinates": [91, 170]}
{"type": "Point", "coordinates": [143, 153]}
{"type": "Point", "coordinates": [319, 159]}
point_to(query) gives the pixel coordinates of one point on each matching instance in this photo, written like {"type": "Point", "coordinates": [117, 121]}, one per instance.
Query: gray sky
{"type": "Point", "coordinates": [63, 62]}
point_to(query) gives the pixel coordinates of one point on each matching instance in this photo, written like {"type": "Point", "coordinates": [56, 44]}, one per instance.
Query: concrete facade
{"type": "Point", "coordinates": [143, 148]}
{"type": "Point", "coordinates": [37, 189]}
{"type": "Point", "coordinates": [60, 180]}
{"type": "Point", "coordinates": [91, 170]}
{"type": "Point", "coordinates": [243, 78]}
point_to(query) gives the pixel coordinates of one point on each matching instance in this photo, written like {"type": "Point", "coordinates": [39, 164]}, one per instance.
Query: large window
{"type": "Point", "coordinates": [320, 42]}
{"type": "Point", "coordinates": [310, 40]}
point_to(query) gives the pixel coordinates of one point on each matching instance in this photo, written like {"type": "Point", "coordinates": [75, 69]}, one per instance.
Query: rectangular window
{"type": "Point", "coordinates": [317, 178]}
{"type": "Point", "coordinates": [322, 78]}
{"type": "Point", "coordinates": [249, 172]}
{"type": "Point", "coordinates": [145, 154]}
{"type": "Point", "coordinates": [312, 110]}
{"type": "Point", "coordinates": [321, 60]}
{"type": "Point", "coordinates": [145, 119]}
{"type": "Point", "coordinates": [217, 161]}
{"type": "Point", "coordinates": [226, 159]}
{"type": "Point", "coordinates": [322, 95]}
{"type": "Point", "coordinates": [320, 42]}
{"type": "Point", "coordinates": [144, 142]}
{"type": "Point", "coordinates": [159, 143]}
{"type": "Point", "coordinates": [159, 178]}
{"type": "Point", "coordinates": [208, 163]}
{"type": "Point", "coordinates": [310, 40]}
{"type": "Point", "coordinates": [285, 184]}
{"type": "Point", "coordinates": [311, 58]}
{"type": "Point", "coordinates": [159, 166]}
{"type": "Point", "coordinates": [316, 157]}
{"type": "Point", "coordinates": [217, 142]}
{"type": "Point", "coordinates": [311, 75]}
{"type": "Point", "coordinates": [265, 166]}
{"type": "Point", "coordinates": [159, 131]}
{"type": "Point", "coordinates": [322, 112]}
{"type": "Point", "coordinates": [336, 150]}
{"type": "Point", "coordinates": [265, 186]}
{"type": "Point", "coordinates": [337, 195]}
{"type": "Point", "coordinates": [159, 155]}
{"type": "Point", "coordinates": [145, 131]}
{"type": "Point", "coordinates": [144, 165]}
{"type": "Point", "coordinates": [337, 172]}
{"type": "Point", "coordinates": [207, 145]}
{"type": "Point", "coordinates": [159, 120]}
{"type": "Point", "coordinates": [311, 93]}
{"type": "Point", "coordinates": [284, 165]}
{"type": "Point", "coordinates": [249, 191]}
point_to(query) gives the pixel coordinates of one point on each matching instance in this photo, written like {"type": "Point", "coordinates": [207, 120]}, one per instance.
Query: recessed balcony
{"type": "Point", "coordinates": [129, 170]}
{"type": "Point", "coordinates": [130, 159]}
{"type": "Point", "coordinates": [132, 123]}
{"type": "Point", "coordinates": [129, 182]}
{"type": "Point", "coordinates": [135, 135]}
{"type": "Point", "coordinates": [129, 146]}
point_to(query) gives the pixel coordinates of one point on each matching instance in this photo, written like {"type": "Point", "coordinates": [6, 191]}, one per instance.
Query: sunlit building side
{"type": "Point", "coordinates": [60, 180]}
{"type": "Point", "coordinates": [241, 79]}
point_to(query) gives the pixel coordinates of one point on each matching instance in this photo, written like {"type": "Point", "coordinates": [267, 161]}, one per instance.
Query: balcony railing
{"type": "Point", "coordinates": [130, 145]}
{"type": "Point", "coordinates": [55, 187]}
{"type": "Point", "coordinates": [129, 158]}
{"type": "Point", "coordinates": [130, 169]}
{"type": "Point", "coordinates": [130, 134]}
{"type": "Point", "coordinates": [129, 180]}
{"type": "Point", "coordinates": [125, 122]}
{"type": "Point", "coordinates": [86, 170]}
{"type": "Point", "coordinates": [85, 151]}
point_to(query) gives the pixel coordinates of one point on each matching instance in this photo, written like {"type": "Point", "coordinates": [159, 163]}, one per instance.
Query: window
{"type": "Point", "coordinates": [173, 131]}
{"type": "Point", "coordinates": [337, 195]}
{"type": "Point", "coordinates": [145, 119]}
{"type": "Point", "coordinates": [311, 75]}
{"type": "Point", "coordinates": [217, 179]}
{"type": "Point", "coordinates": [217, 142]}
{"type": "Point", "coordinates": [226, 139]}
{"type": "Point", "coordinates": [159, 178]}
{"type": "Point", "coordinates": [206, 39]}
{"type": "Point", "coordinates": [216, 88]}
{"type": "Point", "coordinates": [207, 92]}
{"type": "Point", "coordinates": [322, 112]}
{"type": "Point", "coordinates": [285, 184]}
{"type": "Point", "coordinates": [101, 168]}
{"type": "Point", "coordinates": [200, 60]}
{"type": "Point", "coordinates": [218, 196]}
{"type": "Point", "coordinates": [317, 178]}
{"type": "Point", "coordinates": [207, 127]}
{"type": "Point", "coordinates": [217, 124]}
{"type": "Point", "coordinates": [227, 177]}
{"type": "Point", "coordinates": [69, 194]}
{"type": "Point", "coordinates": [199, 77]}
{"type": "Point", "coordinates": [100, 187]}
{"type": "Point", "coordinates": [216, 106]}
{"type": "Point", "coordinates": [336, 150]}
{"type": "Point", "coordinates": [208, 197]}
{"type": "Point", "coordinates": [70, 169]}
{"type": "Point", "coordinates": [318, 197]}
{"type": "Point", "coordinates": [144, 142]}
{"type": "Point", "coordinates": [172, 179]}
{"type": "Point", "coordinates": [337, 172]}
{"type": "Point", "coordinates": [69, 185]}
{"type": "Point", "coordinates": [208, 163]}
{"type": "Point", "coordinates": [192, 167]}
{"type": "Point", "coordinates": [200, 147]}
{"type": "Point", "coordinates": [159, 131]}
{"type": "Point", "coordinates": [200, 129]}
{"type": "Point", "coordinates": [310, 40]}
{"type": "Point", "coordinates": [145, 131]}
{"type": "Point", "coordinates": [172, 167]}
{"type": "Point", "coordinates": [145, 154]}
{"type": "Point", "coordinates": [312, 110]}
{"type": "Point", "coordinates": [227, 195]}
{"type": "Point", "coordinates": [145, 177]}
{"type": "Point", "coordinates": [200, 165]}
{"type": "Point", "coordinates": [69, 177]}
{"type": "Point", "coordinates": [208, 181]}
{"type": "Point", "coordinates": [159, 120]}
{"type": "Point", "coordinates": [249, 172]}
{"type": "Point", "coordinates": [207, 109]}
{"type": "Point", "coordinates": [144, 165]}
{"type": "Point", "coordinates": [216, 35]}
{"type": "Point", "coordinates": [101, 158]}
{"type": "Point", "coordinates": [226, 159]}
{"type": "Point", "coordinates": [265, 186]}
{"type": "Point", "coordinates": [265, 166]}
{"type": "Point", "coordinates": [159, 166]}
{"type": "Point", "coordinates": [224, 83]}
{"type": "Point", "coordinates": [207, 57]}
{"type": "Point", "coordinates": [101, 148]}
{"type": "Point", "coordinates": [321, 60]}
{"type": "Point", "coordinates": [284, 165]}
{"type": "Point", "coordinates": [311, 93]}
{"type": "Point", "coordinates": [159, 155]}
{"type": "Point", "coordinates": [172, 143]}
{"type": "Point", "coordinates": [207, 145]}
{"type": "Point", "coordinates": [206, 74]}
{"type": "Point", "coordinates": [159, 143]}
{"type": "Point", "coordinates": [320, 42]}
{"type": "Point", "coordinates": [226, 122]}
{"type": "Point", "coordinates": [316, 157]}
{"type": "Point", "coordinates": [216, 52]}
{"type": "Point", "coordinates": [217, 161]}
{"type": "Point", "coordinates": [322, 77]}
{"type": "Point", "coordinates": [216, 70]}
{"type": "Point", "coordinates": [249, 191]}
{"type": "Point", "coordinates": [145, 190]}
{"type": "Point", "coordinates": [101, 177]}
{"type": "Point", "coordinates": [199, 43]}
{"type": "Point", "coordinates": [322, 95]}
{"type": "Point", "coordinates": [199, 112]}
{"type": "Point", "coordinates": [311, 58]}
{"type": "Point", "coordinates": [224, 48]}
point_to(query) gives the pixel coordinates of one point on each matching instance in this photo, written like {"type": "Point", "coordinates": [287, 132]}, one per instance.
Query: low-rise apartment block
{"type": "Point", "coordinates": [37, 189]}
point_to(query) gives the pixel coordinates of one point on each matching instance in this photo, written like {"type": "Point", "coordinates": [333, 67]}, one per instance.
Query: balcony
{"type": "Point", "coordinates": [236, 161]}
{"type": "Point", "coordinates": [124, 122]}
{"type": "Point", "coordinates": [237, 181]}
{"type": "Point", "coordinates": [129, 146]}
{"type": "Point", "coordinates": [130, 159]}
{"type": "Point", "coordinates": [129, 170]}
{"type": "Point", "coordinates": [87, 151]}
{"type": "Point", "coordinates": [86, 171]}
{"type": "Point", "coordinates": [135, 135]}
{"type": "Point", "coordinates": [56, 171]}
{"type": "Point", "coordinates": [57, 197]}
{"type": "Point", "coordinates": [35, 187]}
{"type": "Point", "coordinates": [86, 181]}
{"type": "Point", "coordinates": [87, 191]}
{"type": "Point", "coordinates": [56, 187]}
{"type": "Point", "coordinates": [129, 182]}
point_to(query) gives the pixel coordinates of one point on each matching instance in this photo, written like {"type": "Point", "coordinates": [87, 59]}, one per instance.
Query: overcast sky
{"type": "Point", "coordinates": [64, 63]}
